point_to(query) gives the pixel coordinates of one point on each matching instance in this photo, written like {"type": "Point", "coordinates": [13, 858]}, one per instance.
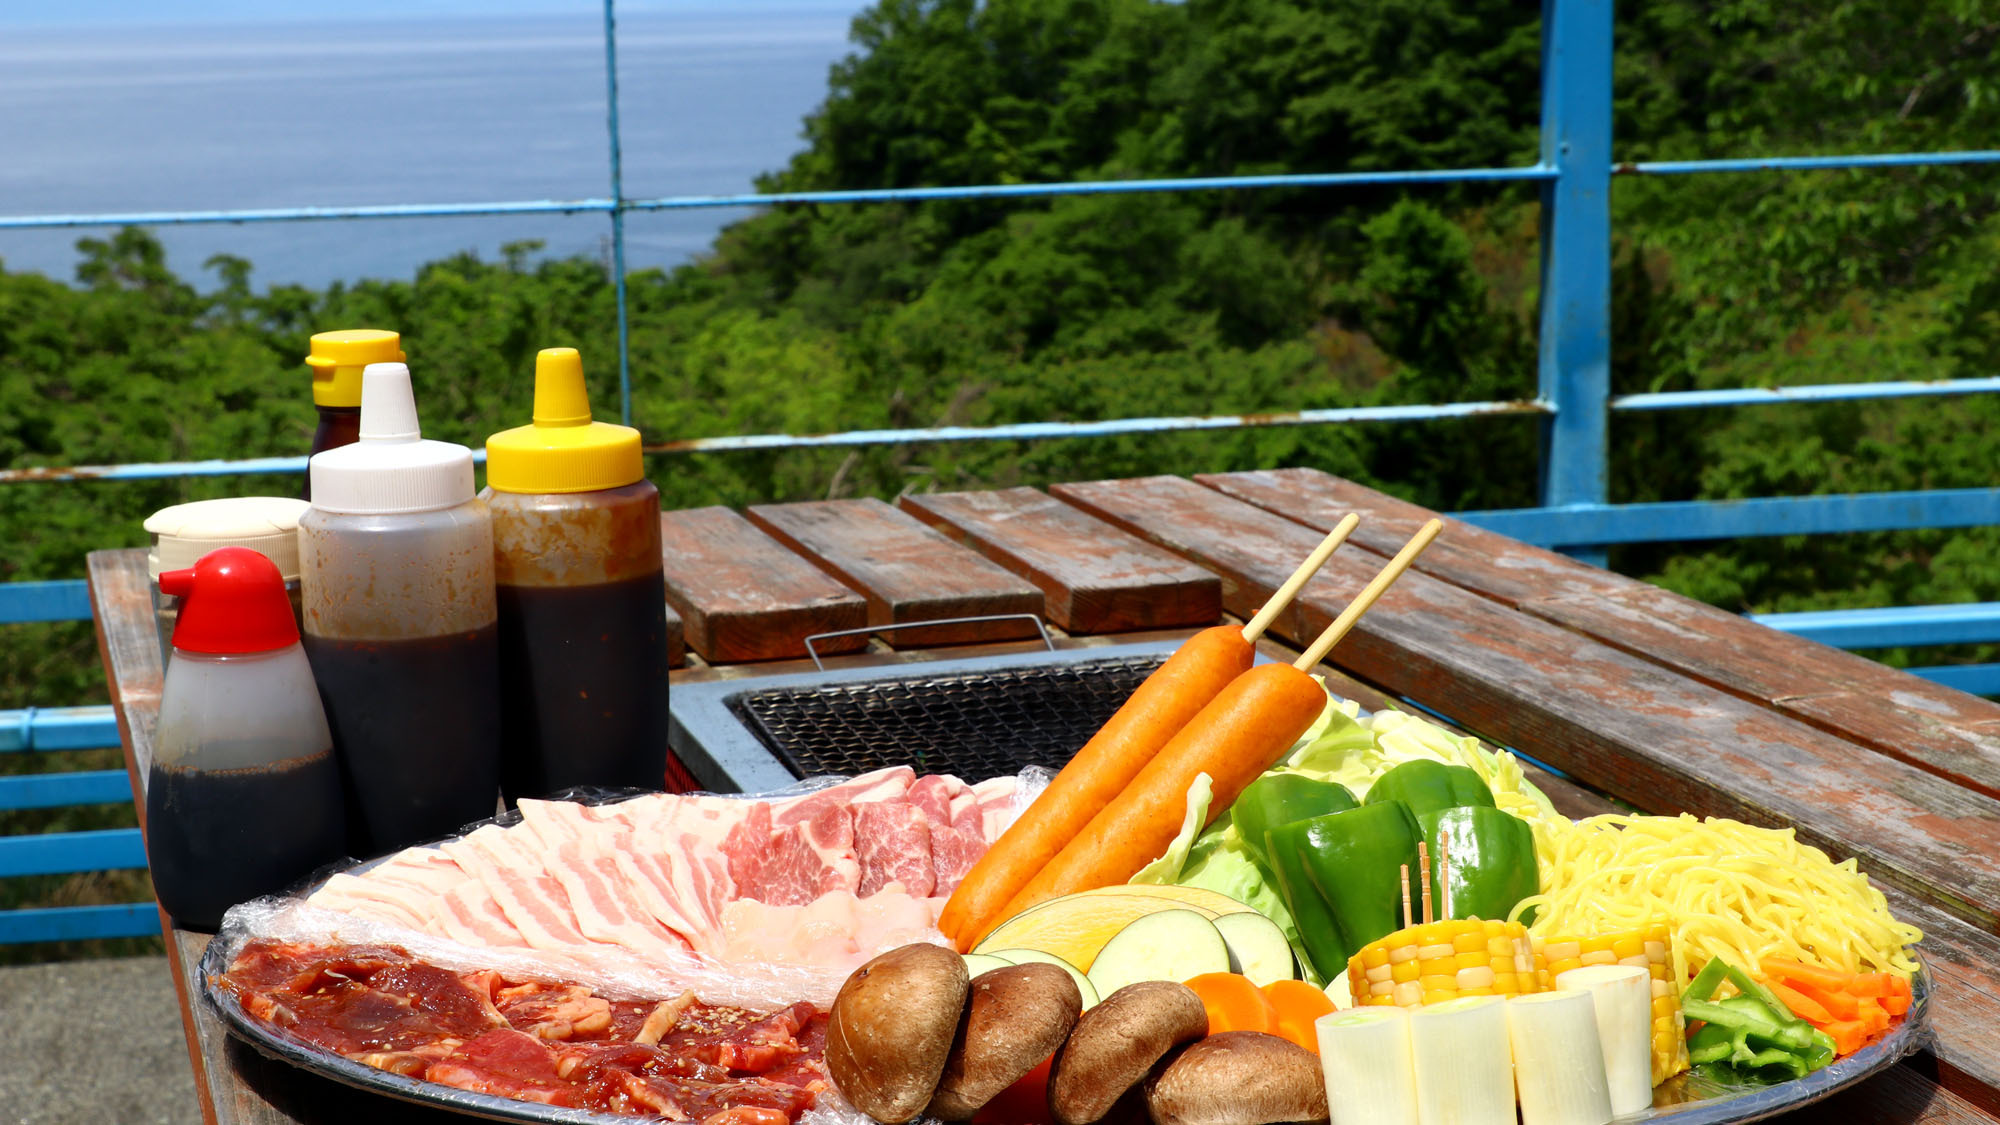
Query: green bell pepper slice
{"type": "Point", "coordinates": [1283, 798]}
{"type": "Point", "coordinates": [1343, 870]}
{"type": "Point", "coordinates": [1492, 861]}
{"type": "Point", "coordinates": [1427, 787]}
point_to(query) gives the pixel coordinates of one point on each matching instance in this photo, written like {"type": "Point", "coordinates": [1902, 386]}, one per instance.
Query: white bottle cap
{"type": "Point", "coordinates": [392, 468]}
{"type": "Point", "coordinates": [184, 533]}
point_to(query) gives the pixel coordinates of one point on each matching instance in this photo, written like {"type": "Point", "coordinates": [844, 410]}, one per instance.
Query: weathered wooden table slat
{"type": "Point", "coordinates": [907, 571]}
{"type": "Point", "coordinates": [1636, 692]}
{"type": "Point", "coordinates": [1933, 727]}
{"type": "Point", "coordinates": [745, 596]}
{"type": "Point", "coordinates": [1094, 578]}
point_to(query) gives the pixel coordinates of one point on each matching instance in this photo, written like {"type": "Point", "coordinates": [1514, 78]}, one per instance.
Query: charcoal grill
{"type": "Point", "coordinates": [976, 718]}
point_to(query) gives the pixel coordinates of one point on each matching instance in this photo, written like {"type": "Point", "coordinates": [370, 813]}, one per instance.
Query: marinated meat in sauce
{"type": "Point", "coordinates": [559, 1044]}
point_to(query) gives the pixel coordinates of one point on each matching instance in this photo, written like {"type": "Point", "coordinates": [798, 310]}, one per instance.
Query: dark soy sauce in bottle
{"type": "Point", "coordinates": [582, 598]}
{"type": "Point", "coordinates": [243, 795]}
{"type": "Point", "coordinates": [396, 580]}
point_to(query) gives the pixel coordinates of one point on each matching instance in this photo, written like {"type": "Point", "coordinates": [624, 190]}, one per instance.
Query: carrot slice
{"type": "Point", "coordinates": [1841, 1005]}
{"type": "Point", "coordinates": [1298, 1005]}
{"type": "Point", "coordinates": [1797, 973]}
{"type": "Point", "coordinates": [1871, 984]}
{"type": "Point", "coordinates": [1802, 1006]}
{"type": "Point", "coordinates": [1233, 1003]}
{"type": "Point", "coordinates": [1874, 1018]}
{"type": "Point", "coordinates": [1848, 1036]}
{"type": "Point", "coordinates": [1896, 1004]}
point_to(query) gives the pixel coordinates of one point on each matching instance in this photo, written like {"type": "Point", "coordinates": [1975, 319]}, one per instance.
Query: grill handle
{"type": "Point", "coordinates": [1040, 627]}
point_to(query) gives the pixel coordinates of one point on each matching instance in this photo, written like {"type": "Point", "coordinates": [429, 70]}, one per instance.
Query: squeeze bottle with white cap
{"type": "Point", "coordinates": [583, 601]}
{"type": "Point", "coordinates": [396, 581]}
{"type": "Point", "coordinates": [243, 796]}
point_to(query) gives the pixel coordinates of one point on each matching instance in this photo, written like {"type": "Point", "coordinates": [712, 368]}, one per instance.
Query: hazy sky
{"type": "Point", "coordinates": [71, 13]}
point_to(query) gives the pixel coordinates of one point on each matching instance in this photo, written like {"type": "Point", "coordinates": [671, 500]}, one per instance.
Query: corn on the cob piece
{"type": "Point", "coordinates": [1647, 948]}
{"type": "Point", "coordinates": [1443, 960]}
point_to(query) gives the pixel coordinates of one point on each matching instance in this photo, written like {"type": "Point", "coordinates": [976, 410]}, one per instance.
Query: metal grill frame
{"type": "Point", "coordinates": [726, 756]}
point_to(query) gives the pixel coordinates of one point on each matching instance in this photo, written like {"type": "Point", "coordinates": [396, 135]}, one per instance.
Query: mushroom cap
{"type": "Point", "coordinates": [1238, 1078]}
{"type": "Point", "coordinates": [891, 1029]}
{"type": "Point", "coordinates": [1116, 1043]}
{"type": "Point", "coordinates": [1018, 1015]}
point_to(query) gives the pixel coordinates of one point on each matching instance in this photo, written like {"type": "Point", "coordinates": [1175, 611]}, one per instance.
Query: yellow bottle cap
{"type": "Point", "coordinates": [338, 357]}
{"type": "Point", "coordinates": [564, 451]}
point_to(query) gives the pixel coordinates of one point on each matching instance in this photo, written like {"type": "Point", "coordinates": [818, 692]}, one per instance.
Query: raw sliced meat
{"type": "Point", "coordinates": [892, 843]}
{"type": "Point", "coordinates": [554, 1043]}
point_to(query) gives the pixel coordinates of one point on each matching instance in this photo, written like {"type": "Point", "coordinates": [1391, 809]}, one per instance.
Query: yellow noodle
{"type": "Point", "coordinates": [1730, 890]}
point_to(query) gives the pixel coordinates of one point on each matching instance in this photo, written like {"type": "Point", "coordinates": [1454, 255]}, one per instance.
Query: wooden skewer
{"type": "Point", "coordinates": [1366, 598]}
{"type": "Point", "coordinates": [1405, 869]}
{"type": "Point", "coordinates": [1444, 872]}
{"type": "Point", "coordinates": [1424, 871]}
{"type": "Point", "coordinates": [1284, 594]}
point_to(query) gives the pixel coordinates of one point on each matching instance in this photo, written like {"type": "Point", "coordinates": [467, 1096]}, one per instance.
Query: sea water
{"type": "Point", "coordinates": [121, 117]}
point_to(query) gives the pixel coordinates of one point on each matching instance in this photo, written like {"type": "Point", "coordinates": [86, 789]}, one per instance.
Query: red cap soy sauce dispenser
{"type": "Point", "coordinates": [243, 796]}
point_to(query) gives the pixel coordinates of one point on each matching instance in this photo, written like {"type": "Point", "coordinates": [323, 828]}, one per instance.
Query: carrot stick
{"type": "Point", "coordinates": [1233, 1003]}
{"type": "Point", "coordinates": [1802, 1006]}
{"type": "Point", "coordinates": [1798, 972]}
{"type": "Point", "coordinates": [1171, 696]}
{"type": "Point", "coordinates": [1235, 738]}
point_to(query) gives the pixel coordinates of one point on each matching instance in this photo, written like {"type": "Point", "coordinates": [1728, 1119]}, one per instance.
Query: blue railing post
{"type": "Point", "coordinates": [1575, 339]}
{"type": "Point", "coordinates": [617, 210]}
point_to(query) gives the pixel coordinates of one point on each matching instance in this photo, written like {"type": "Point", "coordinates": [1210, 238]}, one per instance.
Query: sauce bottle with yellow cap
{"type": "Point", "coordinates": [582, 599]}
{"type": "Point", "coordinates": [336, 361]}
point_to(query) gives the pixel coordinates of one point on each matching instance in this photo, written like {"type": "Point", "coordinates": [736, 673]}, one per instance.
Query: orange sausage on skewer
{"type": "Point", "coordinates": [1171, 696]}
{"type": "Point", "coordinates": [1240, 734]}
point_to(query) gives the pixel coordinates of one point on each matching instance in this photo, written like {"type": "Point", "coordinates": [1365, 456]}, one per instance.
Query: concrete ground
{"type": "Point", "coordinates": [93, 1041]}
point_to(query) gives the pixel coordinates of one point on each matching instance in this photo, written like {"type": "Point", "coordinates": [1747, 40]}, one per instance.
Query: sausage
{"type": "Point", "coordinates": [1177, 691]}
{"type": "Point", "coordinates": [1239, 735]}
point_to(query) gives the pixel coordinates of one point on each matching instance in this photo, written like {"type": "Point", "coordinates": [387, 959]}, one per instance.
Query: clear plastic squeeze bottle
{"type": "Point", "coordinates": [396, 581]}
{"type": "Point", "coordinates": [583, 656]}
{"type": "Point", "coordinates": [243, 795]}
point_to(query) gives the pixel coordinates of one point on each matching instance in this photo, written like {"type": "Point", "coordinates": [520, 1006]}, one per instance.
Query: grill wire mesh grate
{"type": "Point", "coordinates": [973, 724]}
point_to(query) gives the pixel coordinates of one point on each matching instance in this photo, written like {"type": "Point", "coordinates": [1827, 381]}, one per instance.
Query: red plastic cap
{"type": "Point", "coordinates": [232, 600]}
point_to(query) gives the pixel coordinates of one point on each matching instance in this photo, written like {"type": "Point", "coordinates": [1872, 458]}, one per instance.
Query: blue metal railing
{"type": "Point", "coordinates": [1575, 170]}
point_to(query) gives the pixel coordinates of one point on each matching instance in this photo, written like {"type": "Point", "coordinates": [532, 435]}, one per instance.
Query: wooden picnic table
{"type": "Point", "coordinates": [1638, 695]}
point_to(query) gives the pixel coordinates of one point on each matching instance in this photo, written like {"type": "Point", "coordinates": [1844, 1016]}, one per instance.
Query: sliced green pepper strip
{"type": "Point", "coordinates": [1713, 1043]}
{"type": "Point", "coordinates": [1283, 798]}
{"type": "Point", "coordinates": [1750, 986]}
{"type": "Point", "coordinates": [1428, 787]}
{"type": "Point", "coordinates": [1350, 862]}
{"type": "Point", "coordinates": [1705, 982]}
{"type": "Point", "coordinates": [1491, 860]}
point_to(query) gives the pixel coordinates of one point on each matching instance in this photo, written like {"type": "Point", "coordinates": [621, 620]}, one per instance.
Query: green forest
{"type": "Point", "coordinates": [815, 318]}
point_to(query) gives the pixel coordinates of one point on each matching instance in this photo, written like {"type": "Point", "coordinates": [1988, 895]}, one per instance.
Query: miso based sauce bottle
{"type": "Point", "coordinates": [396, 581]}
{"type": "Point", "coordinates": [337, 361]}
{"type": "Point", "coordinates": [243, 796]}
{"type": "Point", "coordinates": [583, 638]}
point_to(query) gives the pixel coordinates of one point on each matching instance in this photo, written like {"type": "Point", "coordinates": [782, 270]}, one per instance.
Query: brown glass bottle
{"type": "Point", "coordinates": [337, 361]}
